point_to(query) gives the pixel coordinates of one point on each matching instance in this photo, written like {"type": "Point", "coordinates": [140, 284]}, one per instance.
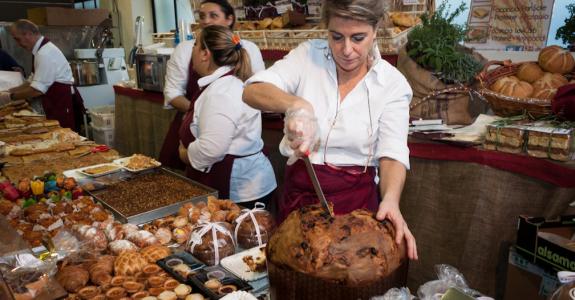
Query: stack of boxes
{"type": "Point", "coordinates": [102, 124]}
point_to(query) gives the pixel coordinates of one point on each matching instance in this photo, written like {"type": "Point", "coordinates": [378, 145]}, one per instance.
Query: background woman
{"type": "Point", "coordinates": [181, 80]}
{"type": "Point", "coordinates": [347, 106]}
{"type": "Point", "coordinates": [221, 135]}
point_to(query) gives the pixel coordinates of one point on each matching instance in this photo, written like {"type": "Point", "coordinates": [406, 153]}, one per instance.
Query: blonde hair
{"type": "Point", "coordinates": [226, 50]}
{"type": "Point", "coordinates": [369, 11]}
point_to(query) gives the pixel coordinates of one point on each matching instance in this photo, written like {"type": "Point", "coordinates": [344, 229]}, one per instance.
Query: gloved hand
{"type": "Point", "coordinates": [301, 131]}
{"type": "Point", "coordinates": [4, 98]}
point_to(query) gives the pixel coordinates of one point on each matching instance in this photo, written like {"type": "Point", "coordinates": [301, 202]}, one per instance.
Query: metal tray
{"type": "Point", "coordinates": [160, 212]}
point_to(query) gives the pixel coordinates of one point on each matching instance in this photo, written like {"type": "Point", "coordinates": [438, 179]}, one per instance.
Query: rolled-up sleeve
{"type": "Point", "coordinates": [46, 70]}
{"type": "Point", "coordinates": [394, 125]}
{"type": "Point", "coordinates": [177, 72]}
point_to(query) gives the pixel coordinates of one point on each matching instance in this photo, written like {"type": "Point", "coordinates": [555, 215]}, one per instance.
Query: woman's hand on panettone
{"type": "Point", "coordinates": [301, 129]}
{"type": "Point", "coordinates": [390, 210]}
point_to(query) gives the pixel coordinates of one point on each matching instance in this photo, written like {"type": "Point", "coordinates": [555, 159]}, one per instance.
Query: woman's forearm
{"type": "Point", "coordinates": [391, 179]}
{"type": "Point", "coordinates": [180, 103]}
{"type": "Point", "coordinates": [267, 97]}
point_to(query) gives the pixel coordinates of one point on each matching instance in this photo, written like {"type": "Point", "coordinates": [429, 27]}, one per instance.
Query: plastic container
{"type": "Point", "coordinates": [102, 116]}
{"type": "Point", "coordinates": [104, 136]}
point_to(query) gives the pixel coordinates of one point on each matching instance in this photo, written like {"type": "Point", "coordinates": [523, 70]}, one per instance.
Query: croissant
{"type": "Point", "coordinates": [101, 271]}
{"type": "Point", "coordinates": [72, 278]}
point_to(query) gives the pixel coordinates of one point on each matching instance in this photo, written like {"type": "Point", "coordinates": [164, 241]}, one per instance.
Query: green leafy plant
{"type": "Point", "coordinates": [567, 32]}
{"type": "Point", "coordinates": [435, 46]}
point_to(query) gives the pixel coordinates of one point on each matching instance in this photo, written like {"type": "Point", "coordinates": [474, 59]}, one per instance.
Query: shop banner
{"type": "Point", "coordinates": [520, 25]}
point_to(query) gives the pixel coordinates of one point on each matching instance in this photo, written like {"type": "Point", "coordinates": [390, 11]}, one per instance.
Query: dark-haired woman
{"type": "Point", "coordinates": [182, 82]}
{"type": "Point", "coordinates": [220, 136]}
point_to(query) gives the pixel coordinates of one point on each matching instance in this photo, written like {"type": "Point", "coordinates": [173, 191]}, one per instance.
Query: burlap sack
{"type": "Point", "coordinates": [432, 99]}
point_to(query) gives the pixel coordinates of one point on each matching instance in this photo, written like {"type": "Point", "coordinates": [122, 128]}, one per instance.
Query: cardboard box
{"type": "Point", "coordinates": [58, 16]}
{"type": "Point", "coordinates": [548, 243]}
{"type": "Point", "coordinates": [526, 280]}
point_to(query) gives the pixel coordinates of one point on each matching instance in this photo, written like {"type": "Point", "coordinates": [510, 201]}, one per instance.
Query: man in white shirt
{"type": "Point", "coordinates": [52, 79]}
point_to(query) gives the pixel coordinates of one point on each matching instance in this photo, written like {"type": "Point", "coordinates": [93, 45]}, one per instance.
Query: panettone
{"type": "Point", "coordinates": [155, 252]}
{"type": "Point", "coordinates": [129, 263]}
{"type": "Point", "coordinates": [529, 72]}
{"type": "Point", "coordinates": [245, 228]}
{"type": "Point", "coordinates": [202, 246]}
{"type": "Point", "coordinates": [353, 250]}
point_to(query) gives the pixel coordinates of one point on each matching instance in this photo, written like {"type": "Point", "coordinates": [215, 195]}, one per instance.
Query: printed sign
{"type": "Point", "coordinates": [520, 25]}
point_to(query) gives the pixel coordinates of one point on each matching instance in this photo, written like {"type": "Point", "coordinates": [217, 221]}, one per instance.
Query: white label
{"type": "Point", "coordinates": [284, 8]}
{"type": "Point", "coordinates": [410, 2]}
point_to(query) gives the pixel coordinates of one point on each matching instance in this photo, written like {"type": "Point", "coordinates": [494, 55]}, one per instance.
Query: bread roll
{"type": "Point", "coordinates": [277, 23]}
{"type": "Point", "coordinates": [550, 81]}
{"type": "Point", "coordinates": [518, 89]}
{"type": "Point", "coordinates": [265, 23]}
{"type": "Point", "coordinates": [496, 87]}
{"type": "Point", "coordinates": [529, 72]}
{"type": "Point", "coordinates": [546, 94]}
{"type": "Point", "coordinates": [556, 60]}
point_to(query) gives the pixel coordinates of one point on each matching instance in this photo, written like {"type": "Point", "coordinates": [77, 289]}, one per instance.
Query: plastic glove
{"type": "Point", "coordinates": [4, 98]}
{"type": "Point", "coordinates": [301, 131]}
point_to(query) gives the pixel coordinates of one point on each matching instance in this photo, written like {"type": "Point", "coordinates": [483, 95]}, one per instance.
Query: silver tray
{"type": "Point", "coordinates": [157, 213]}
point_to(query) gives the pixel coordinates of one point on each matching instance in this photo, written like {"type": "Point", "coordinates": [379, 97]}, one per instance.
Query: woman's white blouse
{"type": "Point", "coordinates": [382, 96]}
{"type": "Point", "coordinates": [224, 124]}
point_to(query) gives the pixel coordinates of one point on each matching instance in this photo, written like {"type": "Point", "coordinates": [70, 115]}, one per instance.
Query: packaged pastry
{"type": "Point", "coordinates": [505, 138]}
{"type": "Point", "coordinates": [551, 140]}
{"type": "Point", "coordinates": [253, 227]}
{"type": "Point", "coordinates": [211, 241]}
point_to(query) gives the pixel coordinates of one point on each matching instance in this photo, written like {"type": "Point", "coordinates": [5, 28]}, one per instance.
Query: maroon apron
{"type": "Point", "coordinates": [220, 172]}
{"type": "Point", "coordinates": [58, 102]}
{"type": "Point", "coordinates": [347, 192]}
{"type": "Point", "coordinates": [169, 155]}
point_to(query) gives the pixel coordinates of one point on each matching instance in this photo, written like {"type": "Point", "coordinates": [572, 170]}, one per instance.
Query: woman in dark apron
{"type": "Point", "coordinates": [348, 110]}
{"type": "Point", "coordinates": [182, 80]}
{"type": "Point", "coordinates": [220, 135]}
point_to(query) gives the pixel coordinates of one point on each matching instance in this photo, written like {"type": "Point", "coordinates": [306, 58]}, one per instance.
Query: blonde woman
{"type": "Point", "coordinates": [220, 136]}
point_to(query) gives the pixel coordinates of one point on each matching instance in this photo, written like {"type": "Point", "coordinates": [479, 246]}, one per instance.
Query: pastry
{"type": "Point", "coordinates": [129, 263]}
{"type": "Point", "coordinates": [170, 284]}
{"type": "Point", "coordinates": [182, 290]}
{"type": "Point", "coordinates": [156, 281]}
{"type": "Point", "coordinates": [72, 278]}
{"type": "Point", "coordinates": [167, 295]}
{"type": "Point", "coordinates": [119, 246]}
{"type": "Point", "coordinates": [354, 249]}
{"type": "Point", "coordinates": [118, 280]}
{"type": "Point", "coordinates": [88, 292]}
{"type": "Point", "coordinates": [101, 271]}
{"type": "Point", "coordinates": [140, 295]}
{"type": "Point", "coordinates": [164, 235]}
{"type": "Point", "coordinates": [155, 252]}
{"type": "Point", "coordinates": [132, 286]}
{"type": "Point", "coordinates": [265, 23]}
{"type": "Point", "coordinates": [151, 269]}
{"type": "Point", "coordinates": [116, 292]}
{"type": "Point", "coordinates": [195, 297]}
{"type": "Point", "coordinates": [226, 289]}
{"type": "Point", "coordinates": [142, 238]}
{"type": "Point", "coordinates": [550, 81]}
{"type": "Point", "coordinates": [155, 291]}
{"type": "Point", "coordinates": [247, 236]}
{"type": "Point", "coordinates": [204, 248]}
{"type": "Point", "coordinates": [213, 284]}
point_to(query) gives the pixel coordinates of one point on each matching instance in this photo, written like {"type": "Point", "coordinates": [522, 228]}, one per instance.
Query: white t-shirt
{"type": "Point", "coordinates": [382, 96]}
{"type": "Point", "coordinates": [50, 65]}
{"type": "Point", "coordinates": [224, 124]}
{"type": "Point", "coordinates": [179, 64]}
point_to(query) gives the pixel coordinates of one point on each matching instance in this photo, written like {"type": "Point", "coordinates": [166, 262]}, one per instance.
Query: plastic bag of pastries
{"type": "Point", "coordinates": [253, 227]}
{"type": "Point", "coordinates": [211, 241]}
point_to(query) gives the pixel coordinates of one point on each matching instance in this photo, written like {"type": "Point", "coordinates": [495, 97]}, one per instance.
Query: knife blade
{"type": "Point", "coordinates": [316, 186]}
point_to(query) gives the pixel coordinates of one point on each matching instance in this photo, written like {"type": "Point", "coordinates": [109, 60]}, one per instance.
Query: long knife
{"type": "Point", "coordinates": [316, 186]}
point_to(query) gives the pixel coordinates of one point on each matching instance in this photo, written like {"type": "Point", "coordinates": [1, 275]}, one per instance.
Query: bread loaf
{"type": "Point", "coordinates": [529, 72]}
{"type": "Point", "coordinates": [354, 249]}
{"type": "Point", "coordinates": [518, 89]}
{"type": "Point", "coordinates": [550, 81]}
{"type": "Point", "coordinates": [546, 94]}
{"type": "Point", "coordinates": [556, 60]}
{"type": "Point", "coordinates": [496, 87]}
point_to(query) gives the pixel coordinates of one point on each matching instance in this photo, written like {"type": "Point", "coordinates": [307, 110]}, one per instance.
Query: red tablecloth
{"type": "Point", "coordinates": [155, 97]}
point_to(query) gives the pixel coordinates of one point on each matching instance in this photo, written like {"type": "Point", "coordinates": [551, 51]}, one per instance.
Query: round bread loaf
{"type": "Point", "coordinates": [518, 89]}
{"type": "Point", "coordinates": [529, 72]}
{"type": "Point", "coordinates": [546, 94]}
{"type": "Point", "coordinates": [555, 59]}
{"type": "Point", "coordinates": [354, 250]}
{"type": "Point", "coordinates": [496, 87]}
{"type": "Point", "coordinates": [247, 235]}
{"type": "Point", "coordinates": [550, 81]}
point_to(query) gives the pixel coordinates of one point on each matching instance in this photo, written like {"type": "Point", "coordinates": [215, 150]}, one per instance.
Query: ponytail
{"type": "Point", "coordinates": [226, 50]}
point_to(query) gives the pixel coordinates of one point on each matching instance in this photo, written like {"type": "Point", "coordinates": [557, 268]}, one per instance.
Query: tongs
{"type": "Point", "coordinates": [316, 186]}
{"type": "Point", "coordinates": [100, 148]}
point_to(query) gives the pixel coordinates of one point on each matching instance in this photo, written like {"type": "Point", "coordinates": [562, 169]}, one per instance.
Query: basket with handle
{"type": "Point", "coordinates": [504, 105]}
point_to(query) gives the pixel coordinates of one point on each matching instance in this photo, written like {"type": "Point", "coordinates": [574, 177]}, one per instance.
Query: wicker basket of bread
{"type": "Point", "coordinates": [526, 87]}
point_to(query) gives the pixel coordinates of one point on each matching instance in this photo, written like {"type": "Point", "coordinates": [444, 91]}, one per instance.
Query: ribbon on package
{"type": "Point", "coordinates": [250, 212]}
{"type": "Point", "coordinates": [201, 229]}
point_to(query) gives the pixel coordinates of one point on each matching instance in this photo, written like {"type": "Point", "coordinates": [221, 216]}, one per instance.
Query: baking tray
{"type": "Point", "coordinates": [157, 213]}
